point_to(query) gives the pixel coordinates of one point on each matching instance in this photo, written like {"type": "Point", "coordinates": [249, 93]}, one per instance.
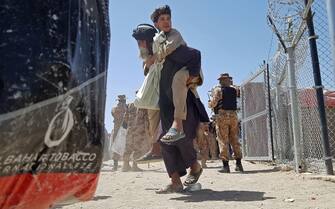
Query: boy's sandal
{"type": "Point", "coordinates": [170, 189]}
{"type": "Point", "coordinates": [172, 135]}
{"type": "Point", "coordinates": [192, 178]}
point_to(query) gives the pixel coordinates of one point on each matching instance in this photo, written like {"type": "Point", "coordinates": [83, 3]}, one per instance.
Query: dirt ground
{"type": "Point", "coordinates": [261, 186]}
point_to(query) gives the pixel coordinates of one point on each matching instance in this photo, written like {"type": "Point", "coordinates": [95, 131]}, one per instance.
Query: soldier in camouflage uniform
{"type": "Point", "coordinates": [224, 103]}
{"type": "Point", "coordinates": [137, 136]}
{"type": "Point", "coordinates": [118, 114]}
{"type": "Point", "coordinates": [212, 143]}
{"type": "Point", "coordinates": [201, 144]}
{"type": "Point", "coordinates": [205, 143]}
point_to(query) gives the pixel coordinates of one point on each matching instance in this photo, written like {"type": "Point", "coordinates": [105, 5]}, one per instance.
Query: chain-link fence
{"type": "Point", "coordinates": [327, 66]}
{"type": "Point", "coordinates": [287, 18]}
{"type": "Point", "coordinates": [256, 124]}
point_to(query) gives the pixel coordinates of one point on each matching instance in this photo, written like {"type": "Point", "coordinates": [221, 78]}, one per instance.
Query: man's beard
{"type": "Point", "coordinates": [144, 53]}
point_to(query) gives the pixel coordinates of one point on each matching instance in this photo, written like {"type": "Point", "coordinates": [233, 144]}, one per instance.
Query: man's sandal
{"type": "Point", "coordinates": [172, 135]}
{"type": "Point", "coordinates": [170, 189]}
{"type": "Point", "coordinates": [192, 178]}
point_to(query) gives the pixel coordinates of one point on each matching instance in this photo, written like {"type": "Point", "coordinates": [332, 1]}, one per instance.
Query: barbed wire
{"type": "Point", "coordinates": [287, 16]}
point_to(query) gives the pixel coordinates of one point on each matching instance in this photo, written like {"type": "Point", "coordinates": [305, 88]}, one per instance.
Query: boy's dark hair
{"type": "Point", "coordinates": [163, 10]}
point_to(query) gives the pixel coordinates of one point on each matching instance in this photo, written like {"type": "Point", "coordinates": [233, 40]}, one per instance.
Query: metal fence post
{"type": "Point", "coordinates": [294, 107]}
{"type": "Point", "coordinates": [244, 149]}
{"type": "Point", "coordinates": [267, 77]}
{"type": "Point", "coordinates": [331, 21]}
{"type": "Point", "coordinates": [277, 129]}
{"type": "Point", "coordinates": [319, 93]}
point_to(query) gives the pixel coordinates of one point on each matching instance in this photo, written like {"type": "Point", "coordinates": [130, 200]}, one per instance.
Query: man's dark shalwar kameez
{"type": "Point", "coordinates": [181, 154]}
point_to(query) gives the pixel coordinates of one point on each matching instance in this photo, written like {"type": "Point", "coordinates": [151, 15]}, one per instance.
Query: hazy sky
{"type": "Point", "coordinates": [232, 35]}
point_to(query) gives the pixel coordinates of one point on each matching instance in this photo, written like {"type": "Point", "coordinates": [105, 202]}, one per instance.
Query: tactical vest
{"type": "Point", "coordinates": [229, 101]}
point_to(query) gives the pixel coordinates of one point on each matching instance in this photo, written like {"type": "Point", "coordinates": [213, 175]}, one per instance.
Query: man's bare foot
{"type": "Point", "coordinates": [171, 188]}
{"type": "Point", "coordinates": [193, 177]}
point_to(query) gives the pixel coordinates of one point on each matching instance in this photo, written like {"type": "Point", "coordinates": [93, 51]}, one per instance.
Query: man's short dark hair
{"type": "Point", "coordinates": [163, 10]}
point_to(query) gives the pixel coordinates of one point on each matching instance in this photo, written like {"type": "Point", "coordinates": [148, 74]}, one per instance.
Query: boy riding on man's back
{"type": "Point", "coordinates": [188, 58]}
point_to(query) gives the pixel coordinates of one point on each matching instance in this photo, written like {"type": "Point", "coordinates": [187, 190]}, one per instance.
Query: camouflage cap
{"type": "Point", "coordinates": [121, 97]}
{"type": "Point", "coordinates": [224, 76]}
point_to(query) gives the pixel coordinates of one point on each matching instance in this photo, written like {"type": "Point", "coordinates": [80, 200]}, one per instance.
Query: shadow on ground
{"type": "Point", "coordinates": [96, 198]}
{"type": "Point", "coordinates": [213, 167]}
{"type": "Point", "coordinates": [210, 195]}
{"type": "Point", "coordinates": [144, 171]}
{"type": "Point", "coordinates": [245, 172]}
{"type": "Point", "coordinates": [261, 171]}
{"type": "Point", "coordinates": [101, 197]}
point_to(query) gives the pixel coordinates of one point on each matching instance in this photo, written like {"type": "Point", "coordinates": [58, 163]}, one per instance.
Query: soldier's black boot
{"type": "Point", "coordinates": [225, 167]}
{"type": "Point", "coordinates": [239, 166]}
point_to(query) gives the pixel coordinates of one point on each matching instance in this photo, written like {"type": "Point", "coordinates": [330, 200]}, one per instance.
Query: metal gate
{"type": "Point", "coordinates": [256, 117]}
